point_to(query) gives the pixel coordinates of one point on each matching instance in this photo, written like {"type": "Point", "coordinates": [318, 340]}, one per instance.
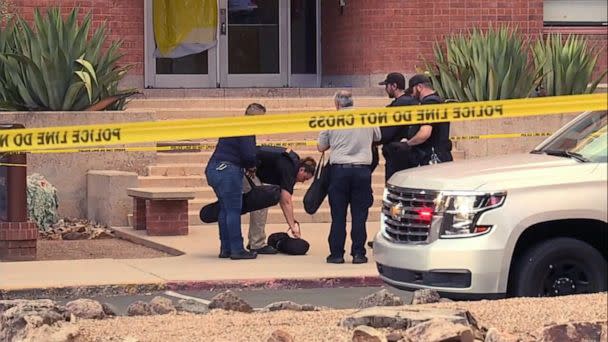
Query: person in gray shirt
{"type": "Point", "coordinates": [350, 183]}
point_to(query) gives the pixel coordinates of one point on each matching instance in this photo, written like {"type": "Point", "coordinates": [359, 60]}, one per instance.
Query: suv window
{"type": "Point", "coordinates": [584, 140]}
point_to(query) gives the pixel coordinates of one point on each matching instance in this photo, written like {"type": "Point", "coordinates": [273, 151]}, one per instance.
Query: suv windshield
{"type": "Point", "coordinates": [584, 140]}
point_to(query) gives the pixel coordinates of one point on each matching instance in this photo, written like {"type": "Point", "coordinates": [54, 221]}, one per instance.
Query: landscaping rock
{"type": "Point", "coordinates": [394, 336]}
{"type": "Point", "coordinates": [229, 301]}
{"type": "Point", "coordinates": [109, 309]}
{"type": "Point", "coordinates": [575, 331]}
{"type": "Point", "coordinates": [139, 308]}
{"type": "Point", "coordinates": [192, 306]}
{"type": "Point", "coordinates": [404, 317]}
{"type": "Point", "coordinates": [21, 319]}
{"type": "Point", "coordinates": [426, 296]}
{"type": "Point", "coordinates": [380, 298]}
{"type": "Point", "coordinates": [280, 336]}
{"type": "Point", "coordinates": [86, 308]}
{"type": "Point", "coordinates": [74, 236]}
{"type": "Point", "coordinates": [439, 330]}
{"type": "Point", "coordinates": [162, 306]}
{"type": "Point", "coordinates": [493, 335]}
{"type": "Point", "coordinates": [284, 305]}
{"type": "Point", "coordinates": [364, 333]}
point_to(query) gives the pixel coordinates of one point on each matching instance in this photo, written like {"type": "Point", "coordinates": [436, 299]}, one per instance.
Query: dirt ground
{"type": "Point", "coordinates": [519, 316]}
{"type": "Point", "coordinates": [94, 249]}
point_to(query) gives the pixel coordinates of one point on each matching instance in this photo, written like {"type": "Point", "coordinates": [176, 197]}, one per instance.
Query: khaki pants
{"type": "Point", "coordinates": [257, 220]}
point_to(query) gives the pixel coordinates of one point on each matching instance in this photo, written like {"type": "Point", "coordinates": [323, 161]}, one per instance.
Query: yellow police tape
{"type": "Point", "coordinates": [208, 147]}
{"type": "Point", "coordinates": [36, 139]}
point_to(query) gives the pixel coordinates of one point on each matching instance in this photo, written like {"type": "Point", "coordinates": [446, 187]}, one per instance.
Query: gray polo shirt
{"type": "Point", "coordinates": [350, 146]}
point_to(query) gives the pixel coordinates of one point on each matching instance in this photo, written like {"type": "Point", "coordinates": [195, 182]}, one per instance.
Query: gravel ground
{"type": "Point", "coordinates": [94, 249]}
{"type": "Point", "coordinates": [513, 315]}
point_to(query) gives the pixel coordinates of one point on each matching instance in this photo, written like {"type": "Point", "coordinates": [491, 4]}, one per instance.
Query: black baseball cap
{"type": "Point", "coordinates": [417, 79]}
{"type": "Point", "coordinates": [394, 78]}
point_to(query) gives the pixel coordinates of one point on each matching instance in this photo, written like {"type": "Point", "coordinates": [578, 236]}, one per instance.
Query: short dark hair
{"type": "Point", "coordinates": [255, 109]}
{"type": "Point", "coordinates": [309, 165]}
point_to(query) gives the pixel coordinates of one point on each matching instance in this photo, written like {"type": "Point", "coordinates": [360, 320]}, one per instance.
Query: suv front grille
{"type": "Point", "coordinates": [402, 219]}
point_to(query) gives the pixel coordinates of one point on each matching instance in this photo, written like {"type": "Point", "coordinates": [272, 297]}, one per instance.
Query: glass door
{"type": "Point", "coordinates": [187, 66]}
{"type": "Point", "coordinates": [253, 41]}
{"type": "Point", "coordinates": [305, 38]}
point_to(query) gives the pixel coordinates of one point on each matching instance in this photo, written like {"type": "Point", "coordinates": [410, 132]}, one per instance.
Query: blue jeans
{"type": "Point", "coordinates": [349, 186]}
{"type": "Point", "coordinates": [227, 182]}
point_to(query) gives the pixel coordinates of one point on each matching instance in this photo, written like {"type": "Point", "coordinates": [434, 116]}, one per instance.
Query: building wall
{"type": "Point", "coordinates": [373, 37]}
{"type": "Point", "coordinates": [125, 20]}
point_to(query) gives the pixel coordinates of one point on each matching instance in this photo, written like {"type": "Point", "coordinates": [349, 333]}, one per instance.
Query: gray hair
{"type": "Point", "coordinates": [344, 98]}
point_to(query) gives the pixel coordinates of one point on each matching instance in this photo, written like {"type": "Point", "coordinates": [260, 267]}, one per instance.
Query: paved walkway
{"type": "Point", "coordinates": [199, 264]}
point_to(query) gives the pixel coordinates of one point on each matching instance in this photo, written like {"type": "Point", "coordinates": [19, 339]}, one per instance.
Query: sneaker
{"type": "Point", "coordinates": [334, 260]}
{"type": "Point", "coordinates": [359, 259]}
{"type": "Point", "coordinates": [224, 254]}
{"type": "Point", "coordinates": [243, 255]}
{"type": "Point", "coordinates": [265, 250]}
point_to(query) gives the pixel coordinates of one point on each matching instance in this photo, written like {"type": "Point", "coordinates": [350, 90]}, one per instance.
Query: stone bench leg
{"type": "Point", "coordinates": [161, 217]}
{"type": "Point", "coordinates": [18, 241]}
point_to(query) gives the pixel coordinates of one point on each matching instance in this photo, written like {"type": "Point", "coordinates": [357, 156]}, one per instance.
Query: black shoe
{"type": "Point", "coordinates": [335, 260]}
{"type": "Point", "coordinates": [243, 255]}
{"type": "Point", "coordinates": [370, 244]}
{"type": "Point", "coordinates": [359, 259]}
{"type": "Point", "coordinates": [224, 254]}
{"type": "Point", "coordinates": [265, 250]}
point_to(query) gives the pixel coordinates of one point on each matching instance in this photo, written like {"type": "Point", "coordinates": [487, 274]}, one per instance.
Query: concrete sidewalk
{"type": "Point", "coordinates": [199, 266]}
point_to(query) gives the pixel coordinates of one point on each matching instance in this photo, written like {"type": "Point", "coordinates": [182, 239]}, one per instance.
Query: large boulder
{"type": "Point", "coordinates": [439, 330]}
{"type": "Point", "coordinates": [139, 308]}
{"type": "Point", "coordinates": [574, 331]}
{"type": "Point", "coordinates": [229, 301]}
{"type": "Point", "coordinates": [86, 308]}
{"type": "Point", "coordinates": [162, 306]}
{"type": "Point", "coordinates": [42, 202]}
{"type": "Point", "coordinates": [403, 317]}
{"type": "Point", "coordinates": [35, 320]}
{"type": "Point", "coordinates": [426, 296]}
{"type": "Point", "coordinates": [380, 298]}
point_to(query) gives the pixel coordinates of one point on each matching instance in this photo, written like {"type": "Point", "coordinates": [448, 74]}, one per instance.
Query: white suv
{"type": "Point", "coordinates": [519, 225]}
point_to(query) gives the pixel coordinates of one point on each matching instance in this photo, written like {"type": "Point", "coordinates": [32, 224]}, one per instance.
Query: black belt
{"type": "Point", "coordinates": [349, 165]}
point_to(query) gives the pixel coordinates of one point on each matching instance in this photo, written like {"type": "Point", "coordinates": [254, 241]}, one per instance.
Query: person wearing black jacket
{"type": "Point", "coordinates": [396, 158]}
{"type": "Point", "coordinates": [429, 143]}
{"type": "Point", "coordinates": [224, 173]}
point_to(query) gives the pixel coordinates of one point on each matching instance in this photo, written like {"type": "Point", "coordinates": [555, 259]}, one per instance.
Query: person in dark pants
{"type": "Point", "coordinates": [429, 143]}
{"type": "Point", "coordinates": [224, 173]}
{"type": "Point", "coordinates": [350, 183]}
{"type": "Point", "coordinates": [396, 159]}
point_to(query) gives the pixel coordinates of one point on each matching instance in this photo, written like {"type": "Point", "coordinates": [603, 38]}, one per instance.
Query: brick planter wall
{"type": "Point", "coordinates": [18, 241]}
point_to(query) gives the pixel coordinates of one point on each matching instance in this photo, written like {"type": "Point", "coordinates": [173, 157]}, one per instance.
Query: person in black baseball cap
{"type": "Point", "coordinates": [396, 159]}
{"type": "Point", "coordinates": [394, 84]}
{"type": "Point", "coordinates": [424, 81]}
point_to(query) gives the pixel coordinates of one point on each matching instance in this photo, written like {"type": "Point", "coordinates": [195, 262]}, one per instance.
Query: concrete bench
{"type": "Point", "coordinates": [161, 211]}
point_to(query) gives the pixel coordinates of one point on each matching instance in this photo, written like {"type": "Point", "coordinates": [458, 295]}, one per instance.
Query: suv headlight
{"type": "Point", "coordinates": [461, 211]}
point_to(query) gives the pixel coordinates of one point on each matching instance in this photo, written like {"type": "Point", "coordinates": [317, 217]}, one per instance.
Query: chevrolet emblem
{"type": "Point", "coordinates": [396, 211]}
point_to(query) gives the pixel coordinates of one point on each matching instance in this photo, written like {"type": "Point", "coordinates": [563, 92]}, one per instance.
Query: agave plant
{"type": "Point", "coordinates": [483, 66]}
{"type": "Point", "coordinates": [567, 65]}
{"type": "Point", "coordinates": [56, 66]}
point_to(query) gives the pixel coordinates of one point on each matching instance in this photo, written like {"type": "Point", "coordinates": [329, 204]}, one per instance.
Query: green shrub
{"type": "Point", "coordinates": [482, 66]}
{"type": "Point", "coordinates": [567, 65]}
{"type": "Point", "coordinates": [56, 65]}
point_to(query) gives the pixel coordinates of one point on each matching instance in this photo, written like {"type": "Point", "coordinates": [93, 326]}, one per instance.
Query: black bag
{"type": "Point", "coordinates": [260, 197]}
{"type": "Point", "coordinates": [288, 245]}
{"type": "Point", "coordinates": [316, 193]}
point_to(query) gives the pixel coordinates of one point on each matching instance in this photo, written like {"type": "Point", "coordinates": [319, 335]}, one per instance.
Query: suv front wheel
{"type": "Point", "coordinates": [557, 267]}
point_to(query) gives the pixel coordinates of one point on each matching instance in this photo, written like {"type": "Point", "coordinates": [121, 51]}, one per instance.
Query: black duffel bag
{"type": "Point", "coordinates": [316, 193]}
{"type": "Point", "coordinates": [284, 243]}
{"type": "Point", "coordinates": [260, 197]}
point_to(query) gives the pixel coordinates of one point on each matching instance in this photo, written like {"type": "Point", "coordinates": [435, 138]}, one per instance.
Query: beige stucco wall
{"type": "Point", "coordinates": [67, 171]}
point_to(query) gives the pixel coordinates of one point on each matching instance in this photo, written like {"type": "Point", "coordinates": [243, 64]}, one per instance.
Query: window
{"type": "Point", "coordinates": [575, 12]}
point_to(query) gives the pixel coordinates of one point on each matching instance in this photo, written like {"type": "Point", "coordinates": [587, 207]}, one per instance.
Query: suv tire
{"type": "Point", "coordinates": [559, 266]}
